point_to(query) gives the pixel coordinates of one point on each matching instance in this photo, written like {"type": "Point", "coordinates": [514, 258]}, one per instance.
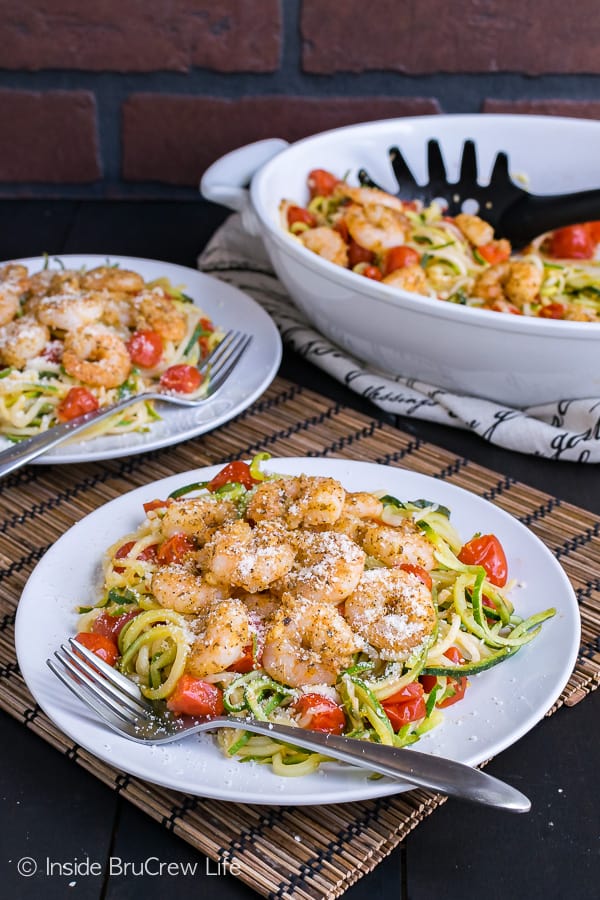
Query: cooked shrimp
{"type": "Point", "coordinates": [154, 311]}
{"type": "Point", "coordinates": [118, 311]}
{"type": "Point", "coordinates": [392, 610]}
{"type": "Point", "coordinates": [65, 282]}
{"type": "Point", "coordinates": [248, 558]}
{"type": "Point", "coordinates": [96, 356]}
{"type": "Point", "coordinates": [326, 242]}
{"type": "Point", "coordinates": [408, 278]}
{"type": "Point", "coordinates": [9, 303]}
{"type": "Point", "coordinates": [489, 286]}
{"type": "Point", "coordinates": [180, 588]}
{"type": "Point", "coordinates": [375, 227]}
{"type": "Point", "coordinates": [68, 312]}
{"type": "Point", "coordinates": [309, 501]}
{"type": "Point", "coordinates": [223, 639]}
{"type": "Point", "coordinates": [327, 569]}
{"type": "Point", "coordinates": [366, 196]}
{"type": "Point", "coordinates": [358, 507]}
{"type": "Point", "coordinates": [22, 340]}
{"type": "Point", "coordinates": [39, 284]}
{"type": "Point", "coordinates": [198, 517]}
{"type": "Point", "coordinates": [13, 283]}
{"type": "Point", "coordinates": [15, 274]}
{"type": "Point", "coordinates": [524, 282]}
{"type": "Point", "coordinates": [396, 544]}
{"type": "Point", "coordinates": [261, 606]}
{"type": "Point", "coordinates": [111, 278]}
{"type": "Point", "coordinates": [475, 229]}
{"type": "Point", "coordinates": [307, 643]}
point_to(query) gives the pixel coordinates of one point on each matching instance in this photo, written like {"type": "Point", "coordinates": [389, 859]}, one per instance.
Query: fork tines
{"type": "Point", "coordinates": [111, 695]}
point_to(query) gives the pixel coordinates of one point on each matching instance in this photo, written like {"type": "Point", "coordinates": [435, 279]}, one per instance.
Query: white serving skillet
{"type": "Point", "coordinates": [512, 359]}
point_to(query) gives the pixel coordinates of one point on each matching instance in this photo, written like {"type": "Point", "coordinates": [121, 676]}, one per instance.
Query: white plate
{"type": "Point", "coordinates": [500, 706]}
{"type": "Point", "coordinates": [228, 307]}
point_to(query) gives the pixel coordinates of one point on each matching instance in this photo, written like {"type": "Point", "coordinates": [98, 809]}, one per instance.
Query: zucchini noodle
{"type": "Point", "coordinates": [171, 603]}
{"type": "Point", "coordinates": [455, 259]}
{"type": "Point", "coordinates": [89, 330]}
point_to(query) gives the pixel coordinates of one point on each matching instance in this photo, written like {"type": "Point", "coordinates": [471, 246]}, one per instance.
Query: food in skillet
{"type": "Point", "coordinates": [294, 601]}
{"type": "Point", "coordinates": [419, 249]}
{"type": "Point", "coordinates": [72, 341]}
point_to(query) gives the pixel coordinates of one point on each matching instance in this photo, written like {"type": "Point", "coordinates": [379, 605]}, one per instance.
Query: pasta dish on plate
{"type": "Point", "coordinates": [419, 249]}
{"type": "Point", "coordinates": [291, 600]}
{"type": "Point", "coordinates": [75, 340]}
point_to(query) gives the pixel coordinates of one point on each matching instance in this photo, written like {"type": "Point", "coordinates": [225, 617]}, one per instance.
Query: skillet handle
{"type": "Point", "coordinates": [533, 215]}
{"type": "Point", "coordinates": [226, 181]}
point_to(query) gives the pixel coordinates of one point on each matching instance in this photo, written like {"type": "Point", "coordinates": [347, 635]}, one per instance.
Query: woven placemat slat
{"type": "Point", "coordinates": [308, 853]}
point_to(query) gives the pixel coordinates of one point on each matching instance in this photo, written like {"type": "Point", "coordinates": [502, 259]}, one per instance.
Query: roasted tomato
{"type": "Point", "coordinates": [399, 258]}
{"type": "Point", "coordinates": [77, 402]}
{"type": "Point", "coordinates": [406, 705]}
{"type": "Point", "coordinates": [319, 713]}
{"type": "Point", "coordinates": [237, 471]}
{"type": "Point", "coordinates": [104, 647]}
{"type": "Point", "coordinates": [145, 348]}
{"type": "Point", "coordinates": [182, 379]}
{"type": "Point", "coordinates": [487, 551]}
{"type": "Point", "coordinates": [175, 549]}
{"type": "Point", "coordinates": [321, 183]}
{"type": "Point", "coordinates": [193, 697]}
{"type": "Point", "coordinates": [572, 242]}
{"type": "Point", "coordinates": [111, 626]}
{"type": "Point", "coordinates": [299, 214]}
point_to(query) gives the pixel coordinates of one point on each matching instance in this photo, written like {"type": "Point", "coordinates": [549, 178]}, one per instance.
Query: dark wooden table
{"type": "Point", "coordinates": [53, 810]}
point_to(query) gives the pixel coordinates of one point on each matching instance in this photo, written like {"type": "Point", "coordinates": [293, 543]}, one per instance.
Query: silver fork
{"type": "Point", "coordinates": [221, 363]}
{"type": "Point", "coordinates": [121, 705]}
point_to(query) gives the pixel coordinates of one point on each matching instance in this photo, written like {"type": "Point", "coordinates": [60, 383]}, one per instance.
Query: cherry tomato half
{"type": "Point", "coordinates": [495, 251]}
{"type": "Point", "coordinates": [237, 471]}
{"type": "Point", "coordinates": [572, 242]}
{"type": "Point", "coordinates": [111, 626]}
{"type": "Point", "coordinates": [552, 311]}
{"type": "Point", "coordinates": [145, 348]}
{"type": "Point", "coordinates": [124, 550]}
{"type": "Point", "coordinates": [358, 254]}
{"type": "Point", "coordinates": [419, 571]}
{"type": "Point", "coordinates": [399, 258]}
{"type": "Point", "coordinates": [430, 681]}
{"type": "Point", "coordinates": [299, 214]}
{"type": "Point", "coordinates": [594, 230]}
{"type": "Point", "coordinates": [411, 691]}
{"type": "Point", "coordinates": [372, 272]}
{"type": "Point", "coordinates": [487, 551]}
{"type": "Point", "coordinates": [319, 713]}
{"type": "Point", "coordinates": [182, 378]}
{"type": "Point", "coordinates": [251, 657]}
{"type": "Point", "coordinates": [175, 549]}
{"type": "Point", "coordinates": [460, 686]}
{"type": "Point", "coordinates": [155, 504]}
{"type": "Point", "coordinates": [100, 644]}
{"type": "Point", "coordinates": [78, 401]}
{"type": "Point", "coordinates": [193, 697]}
{"type": "Point", "coordinates": [321, 183]}
{"type": "Point", "coordinates": [409, 710]}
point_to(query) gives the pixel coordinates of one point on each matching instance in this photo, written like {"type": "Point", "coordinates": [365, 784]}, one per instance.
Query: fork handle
{"type": "Point", "coordinates": [452, 778]}
{"type": "Point", "coordinates": [27, 450]}
{"type": "Point", "coordinates": [533, 215]}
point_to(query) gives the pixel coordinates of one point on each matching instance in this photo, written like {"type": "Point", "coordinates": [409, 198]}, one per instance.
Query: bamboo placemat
{"type": "Point", "coordinates": [305, 852]}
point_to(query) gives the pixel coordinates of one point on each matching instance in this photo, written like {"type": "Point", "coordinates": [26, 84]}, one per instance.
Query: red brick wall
{"type": "Point", "coordinates": [138, 97]}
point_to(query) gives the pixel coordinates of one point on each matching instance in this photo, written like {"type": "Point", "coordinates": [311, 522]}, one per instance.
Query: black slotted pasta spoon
{"type": "Point", "coordinates": [513, 212]}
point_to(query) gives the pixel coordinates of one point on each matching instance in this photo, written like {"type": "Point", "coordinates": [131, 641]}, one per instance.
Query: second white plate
{"type": "Point", "coordinates": [228, 307]}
